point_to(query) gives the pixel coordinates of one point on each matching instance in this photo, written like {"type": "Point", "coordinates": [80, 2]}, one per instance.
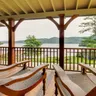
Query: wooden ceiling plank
{"type": "Point", "coordinates": [41, 5]}
{"type": "Point", "coordinates": [89, 4]}
{"type": "Point", "coordinates": [53, 5]}
{"type": "Point", "coordinates": [18, 4]}
{"type": "Point", "coordinates": [10, 7]}
{"type": "Point", "coordinates": [30, 6]}
{"type": "Point", "coordinates": [65, 4]}
{"type": "Point", "coordinates": [3, 9]}
{"type": "Point", "coordinates": [77, 2]}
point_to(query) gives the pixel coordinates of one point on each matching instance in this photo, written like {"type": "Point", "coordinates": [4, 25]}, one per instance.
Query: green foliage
{"type": "Point", "coordinates": [1, 43]}
{"type": "Point", "coordinates": [31, 41]}
{"type": "Point", "coordinates": [89, 42]}
{"type": "Point", "coordinates": [89, 25]}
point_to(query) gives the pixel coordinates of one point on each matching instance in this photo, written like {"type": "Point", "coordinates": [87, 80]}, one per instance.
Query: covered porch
{"type": "Point", "coordinates": [67, 58]}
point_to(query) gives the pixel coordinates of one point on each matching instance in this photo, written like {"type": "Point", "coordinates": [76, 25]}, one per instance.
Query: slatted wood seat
{"type": "Point", "coordinates": [67, 87]}
{"type": "Point", "coordinates": [85, 67]}
{"type": "Point", "coordinates": [12, 69]}
{"type": "Point", "coordinates": [21, 84]}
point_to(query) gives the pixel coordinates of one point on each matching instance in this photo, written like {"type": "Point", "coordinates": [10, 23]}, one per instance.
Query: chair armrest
{"type": "Point", "coordinates": [22, 77]}
{"type": "Point", "coordinates": [71, 87]}
{"type": "Point", "coordinates": [14, 65]}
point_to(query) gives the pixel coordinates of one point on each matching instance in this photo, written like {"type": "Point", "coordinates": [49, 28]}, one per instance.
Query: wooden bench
{"type": "Point", "coordinates": [85, 67]}
{"type": "Point", "coordinates": [12, 69]}
{"type": "Point", "coordinates": [67, 87]}
{"type": "Point", "coordinates": [21, 84]}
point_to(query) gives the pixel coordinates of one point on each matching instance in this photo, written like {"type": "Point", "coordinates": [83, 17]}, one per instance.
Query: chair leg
{"type": "Point", "coordinates": [56, 90]}
{"type": "Point", "coordinates": [44, 81]}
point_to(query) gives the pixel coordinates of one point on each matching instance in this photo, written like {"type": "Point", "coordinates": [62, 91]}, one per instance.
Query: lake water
{"type": "Point", "coordinates": [48, 45]}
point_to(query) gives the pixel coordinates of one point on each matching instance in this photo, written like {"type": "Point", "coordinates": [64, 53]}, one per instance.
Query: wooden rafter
{"type": "Point", "coordinates": [10, 7]}
{"type": "Point", "coordinates": [30, 6]}
{"type": "Point", "coordinates": [18, 4]}
{"type": "Point", "coordinates": [18, 23]}
{"type": "Point", "coordinates": [70, 20]}
{"type": "Point", "coordinates": [3, 9]}
{"type": "Point", "coordinates": [89, 4]}
{"type": "Point", "coordinates": [77, 2]}
{"type": "Point", "coordinates": [65, 4]}
{"type": "Point", "coordinates": [41, 5]}
{"type": "Point", "coordinates": [53, 5]}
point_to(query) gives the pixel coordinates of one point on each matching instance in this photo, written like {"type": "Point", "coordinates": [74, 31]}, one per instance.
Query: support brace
{"type": "Point", "coordinates": [61, 27]}
{"type": "Point", "coordinates": [11, 28]}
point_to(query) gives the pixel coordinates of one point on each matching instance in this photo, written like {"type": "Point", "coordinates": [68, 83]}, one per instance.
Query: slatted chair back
{"type": "Point", "coordinates": [21, 84]}
{"type": "Point", "coordinates": [12, 69]}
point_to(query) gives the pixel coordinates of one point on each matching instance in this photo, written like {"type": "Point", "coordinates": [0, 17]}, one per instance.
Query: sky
{"type": "Point", "coordinates": [43, 28]}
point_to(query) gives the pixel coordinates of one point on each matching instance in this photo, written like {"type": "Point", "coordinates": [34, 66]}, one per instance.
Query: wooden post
{"type": "Point", "coordinates": [44, 81]}
{"type": "Point", "coordinates": [61, 40]}
{"type": "Point", "coordinates": [11, 40]}
{"type": "Point", "coordinates": [56, 89]}
{"type": "Point", "coordinates": [61, 27]}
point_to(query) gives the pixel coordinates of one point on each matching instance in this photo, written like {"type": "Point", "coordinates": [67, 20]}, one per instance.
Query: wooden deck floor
{"type": "Point", "coordinates": [74, 76]}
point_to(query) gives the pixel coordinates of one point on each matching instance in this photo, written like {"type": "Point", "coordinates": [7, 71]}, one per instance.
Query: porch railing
{"type": "Point", "coordinates": [37, 56]}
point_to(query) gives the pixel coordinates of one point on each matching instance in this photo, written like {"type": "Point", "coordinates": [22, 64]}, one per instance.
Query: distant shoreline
{"type": "Point", "coordinates": [47, 45]}
{"type": "Point", "coordinates": [55, 40]}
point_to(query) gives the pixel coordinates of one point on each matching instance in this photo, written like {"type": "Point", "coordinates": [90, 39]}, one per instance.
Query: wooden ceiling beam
{"type": "Point", "coordinates": [41, 5]}
{"type": "Point", "coordinates": [30, 6]}
{"type": "Point", "coordinates": [18, 4]}
{"type": "Point", "coordinates": [10, 7]}
{"type": "Point", "coordinates": [77, 2]}
{"type": "Point", "coordinates": [53, 5]}
{"type": "Point", "coordinates": [65, 4]}
{"type": "Point", "coordinates": [89, 4]}
{"type": "Point", "coordinates": [67, 13]}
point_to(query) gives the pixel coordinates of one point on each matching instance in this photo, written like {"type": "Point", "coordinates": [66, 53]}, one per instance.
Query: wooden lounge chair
{"type": "Point", "coordinates": [12, 69]}
{"type": "Point", "coordinates": [85, 67]}
{"type": "Point", "coordinates": [21, 84]}
{"type": "Point", "coordinates": [68, 87]}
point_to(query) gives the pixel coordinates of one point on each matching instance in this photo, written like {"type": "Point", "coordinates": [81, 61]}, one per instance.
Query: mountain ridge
{"type": "Point", "coordinates": [67, 40]}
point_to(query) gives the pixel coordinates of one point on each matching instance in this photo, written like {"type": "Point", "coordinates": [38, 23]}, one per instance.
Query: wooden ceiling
{"type": "Point", "coordinates": [34, 9]}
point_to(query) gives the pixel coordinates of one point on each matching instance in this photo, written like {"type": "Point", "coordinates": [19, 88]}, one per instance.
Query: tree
{"type": "Point", "coordinates": [31, 41]}
{"type": "Point", "coordinates": [89, 42]}
{"type": "Point", "coordinates": [1, 43]}
{"type": "Point", "coordinates": [89, 25]}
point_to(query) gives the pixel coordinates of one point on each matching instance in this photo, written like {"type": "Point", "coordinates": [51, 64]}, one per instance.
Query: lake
{"type": "Point", "coordinates": [49, 45]}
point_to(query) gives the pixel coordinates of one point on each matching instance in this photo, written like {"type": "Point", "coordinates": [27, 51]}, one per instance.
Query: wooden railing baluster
{"type": "Point", "coordinates": [37, 56]}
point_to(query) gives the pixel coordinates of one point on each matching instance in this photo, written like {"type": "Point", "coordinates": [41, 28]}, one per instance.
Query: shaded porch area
{"type": "Point", "coordinates": [82, 80]}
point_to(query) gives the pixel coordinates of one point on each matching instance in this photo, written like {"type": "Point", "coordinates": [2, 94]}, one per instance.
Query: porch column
{"type": "Point", "coordinates": [11, 42]}
{"type": "Point", "coordinates": [61, 40]}
{"type": "Point", "coordinates": [61, 27]}
{"type": "Point", "coordinates": [11, 38]}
